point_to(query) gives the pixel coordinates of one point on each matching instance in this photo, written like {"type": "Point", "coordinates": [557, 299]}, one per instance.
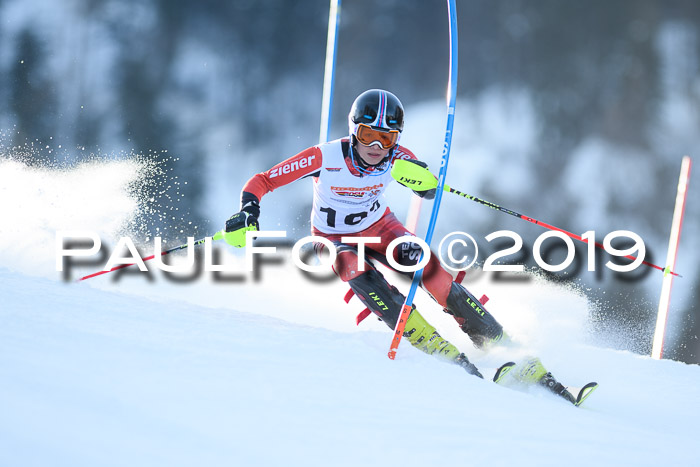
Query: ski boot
{"type": "Point", "coordinates": [386, 301]}
{"type": "Point", "coordinates": [425, 338]}
{"type": "Point", "coordinates": [533, 372]}
{"type": "Point", "coordinates": [464, 362]}
{"type": "Point", "coordinates": [556, 387]}
{"type": "Point", "coordinates": [481, 327]}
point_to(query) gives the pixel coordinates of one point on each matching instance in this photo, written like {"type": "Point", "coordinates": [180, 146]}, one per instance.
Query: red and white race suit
{"type": "Point", "coordinates": [348, 202]}
{"type": "Point", "coordinates": [345, 200]}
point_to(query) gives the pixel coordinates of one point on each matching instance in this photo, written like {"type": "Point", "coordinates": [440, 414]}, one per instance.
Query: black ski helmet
{"type": "Point", "coordinates": [377, 108]}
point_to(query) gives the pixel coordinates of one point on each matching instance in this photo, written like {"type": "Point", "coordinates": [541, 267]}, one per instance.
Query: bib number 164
{"type": "Point", "coordinates": [353, 218]}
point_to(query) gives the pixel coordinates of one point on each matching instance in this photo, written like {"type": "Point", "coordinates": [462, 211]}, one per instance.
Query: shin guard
{"type": "Point", "coordinates": [379, 297]}
{"type": "Point", "coordinates": [478, 323]}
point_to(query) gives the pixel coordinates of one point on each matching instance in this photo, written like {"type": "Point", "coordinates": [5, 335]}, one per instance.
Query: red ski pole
{"type": "Point", "coordinates": [547, 226]}
{"type": "Point", "coordinates": [219, 235]}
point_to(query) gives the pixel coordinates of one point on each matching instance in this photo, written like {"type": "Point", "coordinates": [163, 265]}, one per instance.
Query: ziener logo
{"type": "Point", "coordinates": [292, 166]}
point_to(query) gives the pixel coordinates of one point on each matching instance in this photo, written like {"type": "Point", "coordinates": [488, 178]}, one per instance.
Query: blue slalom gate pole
{"type": "Point", "coordinates": [451, 100]}
{"type": "Point", "coordinates": [329, 74]}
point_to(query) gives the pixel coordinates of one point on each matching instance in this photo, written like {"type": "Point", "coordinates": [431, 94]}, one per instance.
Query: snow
{"type": "Point", "coordinates": [121, 370]}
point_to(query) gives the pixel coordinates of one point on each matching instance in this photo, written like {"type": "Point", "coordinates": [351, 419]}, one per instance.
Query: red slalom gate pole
{"type": "Point", "coordinates": [673, 244]}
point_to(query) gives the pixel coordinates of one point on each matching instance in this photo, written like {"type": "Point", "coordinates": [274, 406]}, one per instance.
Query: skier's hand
{"type": "Point", "coordinates": [237, 226]}
{"type": "Point", "coordinates": [427, 194]}
{"type": "Point", "coordinates": [243, 221]}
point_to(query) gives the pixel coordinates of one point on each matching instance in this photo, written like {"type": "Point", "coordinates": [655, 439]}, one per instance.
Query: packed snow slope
{"type": "Point", "coordinates": [130, 371]}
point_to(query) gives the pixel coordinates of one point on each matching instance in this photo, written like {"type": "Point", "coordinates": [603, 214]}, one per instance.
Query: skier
{"type": "Point", "coordinates": [349, 177]}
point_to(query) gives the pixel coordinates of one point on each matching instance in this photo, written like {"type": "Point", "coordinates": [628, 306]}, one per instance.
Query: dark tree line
{"type": "Point", "coordinates": [165, 74]}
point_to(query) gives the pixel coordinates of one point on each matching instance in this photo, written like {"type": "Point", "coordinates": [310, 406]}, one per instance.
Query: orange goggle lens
{"type": "Point", "coordinates": [368, 136]}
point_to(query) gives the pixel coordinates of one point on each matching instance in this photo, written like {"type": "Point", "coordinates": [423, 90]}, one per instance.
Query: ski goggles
{"type": "Point", "coordinates": [367, 135]}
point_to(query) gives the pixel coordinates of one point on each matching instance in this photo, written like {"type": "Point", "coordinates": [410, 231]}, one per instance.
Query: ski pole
{"type": "Point", "coordinates": [420, 179]}
{"type": "Point", "coordinates": [217, 236]}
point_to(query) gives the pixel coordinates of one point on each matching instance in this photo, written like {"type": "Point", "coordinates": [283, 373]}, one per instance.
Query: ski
{"type": "Point", "coordinates": [502, 371]}
{"type": "Point", "coordinates": [582, 393]}
{"type": "Point", "coordinates": [531, 372]}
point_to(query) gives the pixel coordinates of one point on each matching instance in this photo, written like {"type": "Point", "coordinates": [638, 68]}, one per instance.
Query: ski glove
{"type": "Point", "coordinates": [427, 194]}
{"type": "Point", "coordinates": [243, 221]}
{"type": "Point", "coordinates": [237, 226]}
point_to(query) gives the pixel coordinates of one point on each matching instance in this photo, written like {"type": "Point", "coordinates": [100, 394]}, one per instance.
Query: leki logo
{"type": "Point", "coordinates": [410, 181]}
{"type": "Point", "coordinates": [475, 306]}
{"type": "Point", "coordinates": [378, 300]}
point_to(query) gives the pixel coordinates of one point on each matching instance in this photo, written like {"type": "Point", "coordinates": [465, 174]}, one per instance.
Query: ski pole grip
{"type": "Point", "coordinates": [413, 176]}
